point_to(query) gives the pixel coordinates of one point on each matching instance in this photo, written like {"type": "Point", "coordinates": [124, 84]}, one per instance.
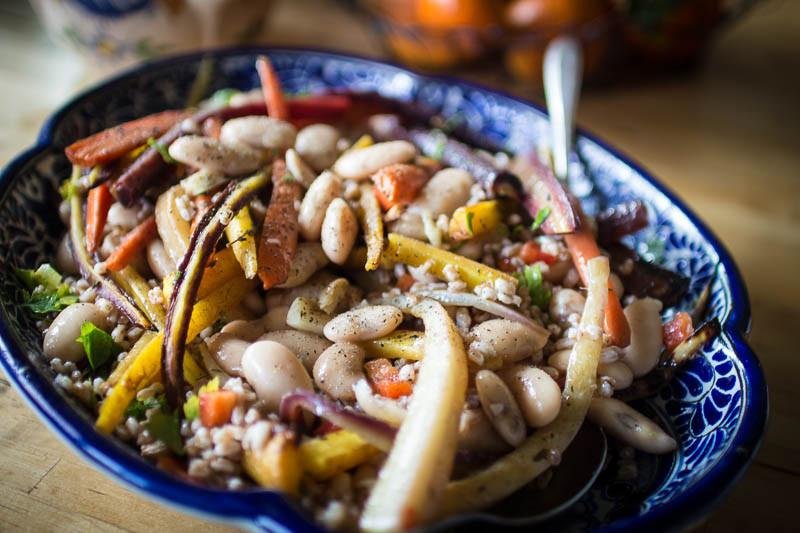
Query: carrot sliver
{"type": "Point", "coordinates": [98, 203]}
{"type": "Point", "coordinates": [278, 241]}
{"type": "Point", "coordinates": [677, 330]}
{"type": "Point", "coordinates": [115, 142]}
{"type": "Point", "coordinates": [216, 407]}
{"type": "Point", "coordinates": [131, 244]}
{"type": "Point", "coordinates": [271, 86]}
{"type": "Point", "coordinates": [398, 184]}
{"type": "Point", "coordinates": [385, 379]}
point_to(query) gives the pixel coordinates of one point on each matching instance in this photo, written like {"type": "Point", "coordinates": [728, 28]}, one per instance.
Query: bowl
{"type": "Point", "coordinates": [716, 407]}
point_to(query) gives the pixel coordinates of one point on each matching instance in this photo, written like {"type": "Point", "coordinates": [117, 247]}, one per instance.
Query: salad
{"type": "Point", "coordinates": [332, 297]}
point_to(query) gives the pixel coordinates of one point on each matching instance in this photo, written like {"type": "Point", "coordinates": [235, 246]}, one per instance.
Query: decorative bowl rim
{"type": "Point", "coordinates": [265, 509]}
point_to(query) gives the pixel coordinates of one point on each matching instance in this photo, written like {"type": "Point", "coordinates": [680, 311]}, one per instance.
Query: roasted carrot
{"type": "Point", "coordinates": [405, 282]}
{"type": "Point", "coordinates": [385, 379]}
{"type": "Point", "coordinates": [583, 248]}
{"type": "Point", "coordinates": [271, 86]}
{"type": "Point", "coordinates": [677, 330]}
{"type": "Point", "coordinates": [398, 184]}
{"type": "Point", "coordinates": [216, 407]}
{"type": "Point", "coordinates": [98, 203]}
{"type": "Point", "coordinates": [135, 241]}
{"type": "Point", "coordinates": [322, 106]}
{"type": "Point", "coordinates": [531, 252]}
{"type": "Point", "coordinates": [278, 241]}
{"type": "Point", "coordinates": [115, 142]}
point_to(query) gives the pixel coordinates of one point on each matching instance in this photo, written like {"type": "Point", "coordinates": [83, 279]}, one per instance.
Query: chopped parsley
{"type": "Point", "coordinates": [539, 219]}
{"type": "Point", "coordinates": [45, 291]}
{"type": "Point", "coordinates": [441, 143]}
{"type": "Point", "coordinates": [152, 143]}
{"type": "Point", "coordinates": [223, 97]}
{"type": "Point", "coordinates": [100, 348]}
{"type": "Point", "coordinates": [166, 428]}
{"type": "Point", "coordinates": [138, 408]}
{"type": "Point", "coordinates": [531, 278]}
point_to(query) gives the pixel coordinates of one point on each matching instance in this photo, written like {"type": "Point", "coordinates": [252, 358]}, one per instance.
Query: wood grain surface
{"type": "Point", "coordinates": [725, 138]}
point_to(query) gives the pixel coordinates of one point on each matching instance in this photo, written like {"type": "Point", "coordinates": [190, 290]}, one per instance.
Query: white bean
{"type": "Point", "coordinates": [339, 231]}
{"type": "Point", "coordinates": [338, 369]}
{"type": "Point", "coordinates": [307, 260]}
{"type": "Point", "coordinates": [273, 371]}
{"type": "Point", "coordinates": [173, 229]}
{"type": "Point", "coordinates": [617, 373]}
{"type": "Point", "coordinates": [158, 259]}
{"type": "Point", "coordinates": [566, 302]}
{"type": "Point", "coordinates": [500, 407]}
{"type": "Point", "coordinates": [364, 323]}
{"type": "Point", "coordinates": [334, 294]}
{"type": "Point", "coordinates": [64, 260]}
{"type": "Point", "coordinates": [476, 433]}
{"type": "Point", "coordinates": [212, 155]}
{"type": "Point", "coordinates": [560, 360]}
{"type": "Point", "coordinates": [299, 169]}
{"type": "Point", "coordinates": [248, 330]}
{"type": "Point", "coordinates": [445, 192]}
{"type": "Point", "coordinates": [316, 144]}
{"type": "Point", "coordinates": [537, 394]}
{"type": "Point", "coordinates": [260, 132]}
{"type": "Point", "coordinates": [361, 163]}
{"type": "Point", "coordinates": [500, 341]}
{"type": "Point", "coordinates": [227, 350]}
{"type": "Point", "coordinates": [124, 217]}
{"type": "Point", "coordinates": [305, 315]}
{"type": "Point", "coordinates": [306, 346]}
{"type": "Point", "coordinates": [644, 317]}
{"type": "Point", "coordinates": [315, 203]}
{"type": "Point", "coordinates": [275, 319]}
{"type": "Point", "coordinates": [60, 338]}
{"type": "Point", "coordinates": [630, 426]}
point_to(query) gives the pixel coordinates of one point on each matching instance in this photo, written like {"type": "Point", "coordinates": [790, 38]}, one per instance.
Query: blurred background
{"type": "Point", "coordinates": [703, 92]}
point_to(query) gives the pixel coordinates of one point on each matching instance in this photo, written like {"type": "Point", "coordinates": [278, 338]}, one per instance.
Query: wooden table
{"type": "Point", "coordinates": [725, 138]}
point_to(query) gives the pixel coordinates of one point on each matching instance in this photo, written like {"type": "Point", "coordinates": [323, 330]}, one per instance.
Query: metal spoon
{"type": "Point", "coordinates": [563, 68]}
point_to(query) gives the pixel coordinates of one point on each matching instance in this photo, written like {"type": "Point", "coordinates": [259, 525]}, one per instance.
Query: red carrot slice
{"type": "Point", "coordinates": [278, 242]}
{"type": "Point", "coordinates": [677, 330]}
{"type": "Point", "coordinates": [115, 142]}
{"type": "Point", "coordinates": [385, 379]}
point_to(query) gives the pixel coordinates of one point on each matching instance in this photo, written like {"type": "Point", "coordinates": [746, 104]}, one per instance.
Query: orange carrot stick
{"type": "Point", "coordinates": [115, 142]}
{"type": "Point", "coordinates": [136, 240]}
{"type": "Point", "coordinates": [98, 203]}
{"type": "Point", "coordinates": [677, 330]}
{"type": "Point", "coordinates": [271, 86]}
{"type": "Point", "coordinates": [583, 247]}
{"type": "Point", "coordinates": [278, 241]}
{"type": "Point", "coordinates": [398, 184]}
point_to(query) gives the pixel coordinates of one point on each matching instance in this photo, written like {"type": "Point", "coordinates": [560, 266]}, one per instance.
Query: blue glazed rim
{"type": "Point", "coordinates": [268, 510]}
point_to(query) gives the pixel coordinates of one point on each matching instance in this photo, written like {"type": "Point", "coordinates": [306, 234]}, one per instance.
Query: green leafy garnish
{"type": "Point", "coordinates": [470, 216]}
{"type": "Point", "coordinates": [45, 291]}
{"type": "Point", "coordinates": [541, 216]}
{"type": "Point", "coordinates": [223, 97]}
{"type": "Point", "coordinates": [152, 143]}
{"type": "Point", "coordinates": [441, 143]}
{"type": "Point", "coordinates": [166, 428]}
{"type": "Point", "coordinates": [191, 408]}
{"type": "Point", "coordinates": [98, 345]}
{"type": "Point", "coordinates": [531, 278]}
{"type": "Point", "coordinates": [138, 408]}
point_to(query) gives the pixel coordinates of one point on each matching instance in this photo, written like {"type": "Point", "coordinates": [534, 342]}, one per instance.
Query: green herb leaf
{"type": "Point", "coordinates": [441, 143]}
{"type": "Point", "coordinates": [46, 293]}
{"type": "Point", "coordinates": [98, 345]}
{"type": "Point", "coordinates": [531, 278]}
{"type": "Point", "coordinates": [138, 408]}
{"type": "Point", "coordinates": [223, 97]}
{"type": "Point", "coordinates": [541, 216]}
{"type": "Point", "coordinates": [166, 428]}
{"type": "Point", "coordinates": [152, 143]}
{"type": "Point", "coordinates": [470, 217]}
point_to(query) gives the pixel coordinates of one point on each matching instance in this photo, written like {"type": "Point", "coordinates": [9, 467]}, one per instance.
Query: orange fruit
{"type": "Point", "coordinates": [448, 14]}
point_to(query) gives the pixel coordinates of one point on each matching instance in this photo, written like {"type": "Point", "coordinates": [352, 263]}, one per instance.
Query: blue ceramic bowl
{"type": "Point", "coordinates": [716, 407]}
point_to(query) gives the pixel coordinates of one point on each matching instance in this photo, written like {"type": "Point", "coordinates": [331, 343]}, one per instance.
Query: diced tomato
{"type": "Point", "coordinates": [506, 265]}
{"type": "Point", "coordinates": [677, 330]}
{"type": "Point", "coordinates": [216, 407]}
{"type": "Point", "coordinates": [385, 379]}
{"type": "Point", "coordinates": [531, 253]}
{"type": "Point", "coordinates": [326, 427]}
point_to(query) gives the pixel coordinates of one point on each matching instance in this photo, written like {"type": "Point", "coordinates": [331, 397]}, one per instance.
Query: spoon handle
{"type": "Point", "coordinates": [562, 80]}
